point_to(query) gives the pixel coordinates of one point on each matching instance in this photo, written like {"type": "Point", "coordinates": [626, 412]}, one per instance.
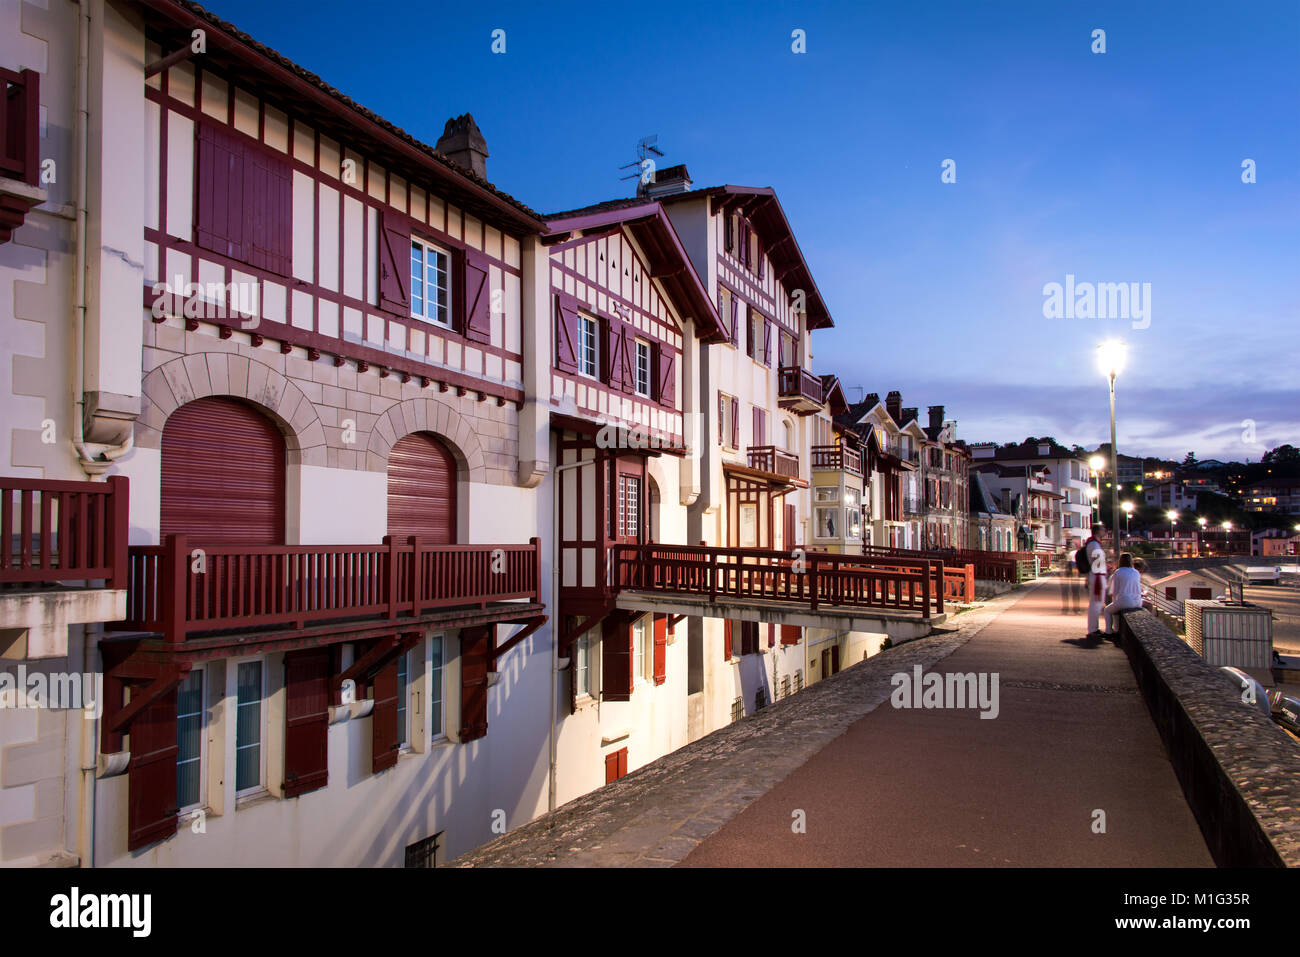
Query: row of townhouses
{"type": "Point", "coordinates": [367, 512]}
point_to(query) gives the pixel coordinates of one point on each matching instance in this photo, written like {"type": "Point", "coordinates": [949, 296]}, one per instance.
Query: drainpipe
{"type": "Point", "coordinates": [558, 622]}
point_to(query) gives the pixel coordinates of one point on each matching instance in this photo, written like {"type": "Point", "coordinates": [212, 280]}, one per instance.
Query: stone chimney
{"type": "Point", "coordinates": [936, 416]}
{"type": "Point", "coordinates": [674, 179]}
{"type": "Point", "coordinates": [872, 400]}
{"type": "Point", "coordinates": [463, 144]}
{"type": "Point", "coordinates": [894, 405]}
{"type": "Point", "coordinates": [909, 414]}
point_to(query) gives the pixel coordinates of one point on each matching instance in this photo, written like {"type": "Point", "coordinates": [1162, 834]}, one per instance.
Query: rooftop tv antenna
{"type": "Point", "coordinates": [644, 166]}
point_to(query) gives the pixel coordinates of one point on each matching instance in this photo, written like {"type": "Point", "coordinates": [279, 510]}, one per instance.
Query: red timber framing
{"type": "Point", "coordinates": [757, 516]}
{"type": "Point", "coordinates": [414, 193]}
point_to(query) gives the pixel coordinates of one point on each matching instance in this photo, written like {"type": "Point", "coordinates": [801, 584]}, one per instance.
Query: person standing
{"type": "Point", "coordinates": [1096, 558]}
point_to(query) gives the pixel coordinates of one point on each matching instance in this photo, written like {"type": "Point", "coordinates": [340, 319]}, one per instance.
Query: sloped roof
{"type": "Point", "coordinates": [300, 91]}
{"type": "Point", "coordinates": [669, 263]}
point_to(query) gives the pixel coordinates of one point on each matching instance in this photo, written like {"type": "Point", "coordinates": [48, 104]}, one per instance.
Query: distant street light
{"type": "Point", "coordinates": [1128, 513]}
{"type": "Point", "coordinates": [1172, 515]}
{"type": "Point", "coordinates": [1110, 360]}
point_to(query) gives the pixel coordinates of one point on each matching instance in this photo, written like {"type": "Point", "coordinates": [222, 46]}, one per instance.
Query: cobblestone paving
{"type": "Point", "coordinates": [658, 814]}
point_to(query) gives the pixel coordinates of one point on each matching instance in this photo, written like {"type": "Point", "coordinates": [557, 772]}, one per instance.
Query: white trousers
{"type": "Point", "coordinates": [1096, 601]}
{"type": "Point", "coordinates": [1110, 611]}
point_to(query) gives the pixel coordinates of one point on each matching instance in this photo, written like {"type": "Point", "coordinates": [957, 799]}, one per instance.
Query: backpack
{"type": "Point", "coordinates": [1081, 560]}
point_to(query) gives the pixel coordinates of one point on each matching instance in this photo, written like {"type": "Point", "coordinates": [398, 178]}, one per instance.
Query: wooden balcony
{"type": "Point", "coordinates": [820, 580]}
{"type": "Point", "coordinates": [56, 532]}
{"type": "Point", "coordinates": [768, 458]}
{"type": "Point", "coordinates": [1011, 567]}
{"type": "Point", "coordinates": [800, 391]}
{"type": "Point", "coordinates": [836, 458]}
{"type": "Point", "coordinates": [293, 586]}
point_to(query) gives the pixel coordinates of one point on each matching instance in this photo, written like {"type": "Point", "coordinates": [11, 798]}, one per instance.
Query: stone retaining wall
{"type": "Point", "coordinates": [1239, 771]}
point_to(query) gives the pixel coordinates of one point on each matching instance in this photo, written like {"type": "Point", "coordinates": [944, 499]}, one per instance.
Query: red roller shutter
{"type": "Point", "coordinates": [306, 714]}
{"type": "Point", "coordinates": [151, 775]}
{"type": "Point", "coordinates": [422, 490]}
{"type": "Point", "coordinates": [223, 474]}
{"type": "Point", "coordinates": [790, 634]}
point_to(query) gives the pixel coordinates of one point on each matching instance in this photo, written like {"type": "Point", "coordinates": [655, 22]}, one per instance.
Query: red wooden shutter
{"type": "Point", "coordinates": [422, 490]}
{"type": "Point", "coordinates": [306, 711]}
{"type": "Point", "coordinates": [394, 263]}
{"type": "Point", "coordinates": [665, 375]}
{"type": "Point", "coordinates": [383, 719]}
{"type": "Point", "coordinates": [726, 639]}
{"type": "Point", "coordinates": [622, 762]}
{"type": "Point", "coordinates": [760, 426]}
{"type": "Point", "coordinates": [474, 681]}
{"type": "Point", "coordinates": [661, 648]}
{"type": "Point", "coordinates": [478, 298]}
{"type": "Point", "coordinates": [219, 193]}
{"type": "Point", "coordinates": [759, 255]}
{"type": "Point", "coordinates": [222, 474]}
{"type": "Point", "coordinates": [735, 320]}
{"type": "Point", "coordinates": [268, 210]}
{"type": "Point", "coordinates": [767, 344]}
{"type": "Point", "coordinates": [722, 419]}
{"type": "Point", "coordinates": [151, 775]}
{"type": "Point", "coordinates": [735, 422]}
{"type": "Point", "coordinates": [566, 333]}
{"type": "Point", "coordinates": [616, 658]}
{"type": "Point", "coordinates": [790, 634]}
{"type": "Point", "coordinates": [790, 526]}
{"type": "Point", "coordinates": [611, 767]}
{"type": "Point", "coordinates": [729, 232]}
{"type": "Point", "coordinates": [771, 634]}
{"type": "Point", "coordinates": [610, 368]}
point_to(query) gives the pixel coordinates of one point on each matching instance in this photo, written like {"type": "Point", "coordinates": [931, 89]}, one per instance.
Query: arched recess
{"type": "Point", "coordinates": [223, 474]}
{"type": "Point", "coordinates": [452, 429]}
{"type": "Point", "coordinates": [422, 489]}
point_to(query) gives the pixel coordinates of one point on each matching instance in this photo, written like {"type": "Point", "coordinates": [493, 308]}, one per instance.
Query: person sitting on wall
{"type": "Point", "coordinates": [1125, 591]}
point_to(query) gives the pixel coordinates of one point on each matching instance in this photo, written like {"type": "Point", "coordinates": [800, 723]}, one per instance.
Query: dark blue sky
{"type": "Point", "coordinates": [1115, 167]}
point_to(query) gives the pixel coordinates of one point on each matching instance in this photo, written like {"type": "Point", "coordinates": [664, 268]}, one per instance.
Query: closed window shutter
{"type": "Point", "coordinates": [627, 349]}
{"type": "Point", "coordinates": [383, 719]}
{"type": "Point", "coordinates": [219, 212]}
{"type": "Point", "coordinates": [306, 761]}
{"type": "Point", "coordinates": [760, 426]}
{"type": "Point", "coordinates": [616, 659]}
{"type": "Point", "coordinates": [729, 229]}
{"type": "Point", "coordinates": [771, 634]}
{"type": "Point", "coordinates": [394, 263]}
{"type": "Point", "coordinates": [726, 639]}
{"type": "Point", "coordinates": [722, 419]}
{"type": "Point", "coordinates": [790, 526]}
{"type": "Point", "coordinates": [478, 298]}
{"type": "Point", "coordinates": [661, 649]}
{"type": "Point", "coordinates": [759, 257]}
{"type": "Point", "coordinates": [474, 682]}
{"type": "Point", "coordinates": [735, 321]}
{"type": "Point", "coordinates": [790, 634]}
{"type": "Point", "coordinates": [767, 344]}
{"type": "Point", "coordinates": [610, 368]}
{"type": "Point", "coordinates": [268, 210]}
{"type": "Point", "coordinates": [667, 376]}
{"type": "Point", "coordinates": [151, 776]}
{"type": "Point", "coordinates": [566, 334]}
{"type": "Point", "coordinates": [735, 423]}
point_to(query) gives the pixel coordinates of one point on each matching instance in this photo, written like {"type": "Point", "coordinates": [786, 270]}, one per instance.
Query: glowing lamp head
{"type": "Point", "coordinates": [1110, 357]}
{"type": "Point", "coordinates": [1171, 515]}
{"type": "Point", "coordinates": [1127, 507]}
{"type": "Point", "coordinates": [1096, 463]}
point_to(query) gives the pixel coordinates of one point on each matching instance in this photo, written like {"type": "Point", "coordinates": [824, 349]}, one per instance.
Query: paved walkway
{"type": "Point", "coordinates": [906, 788]}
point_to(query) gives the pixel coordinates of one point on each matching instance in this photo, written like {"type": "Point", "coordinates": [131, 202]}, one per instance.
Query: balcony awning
{"type": "Point", "coordinates": [786, 481]}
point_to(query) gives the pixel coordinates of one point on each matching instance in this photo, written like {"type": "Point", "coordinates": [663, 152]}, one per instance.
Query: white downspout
{"type": "Point", "coordinates": [557, 623]}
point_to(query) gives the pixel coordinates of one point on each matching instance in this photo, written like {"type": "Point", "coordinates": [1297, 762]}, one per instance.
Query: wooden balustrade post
{"type": "Point", "coordinates": [173, 580]}
{"type": "Point", "coordinates": [536, 544]}
{"type": "Point", "coordinates": [416, 578]}
{"type": "Point", "coordinates": [119, 526]}
{"type": "Point", "coordinates": [925, 594]}
{"type": "Point", "coordinates": [939, 603]}
{"type": "Point", "coordinates": [812, 581]}
{"type": "Point", "coordinates": [390, 574]}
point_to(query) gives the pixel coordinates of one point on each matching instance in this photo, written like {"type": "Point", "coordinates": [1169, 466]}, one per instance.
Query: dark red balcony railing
{"type": "Point", "coordinates": [1011, 567]}
{"type": "Point", "coordinates": [836, 458]}
{"type": "Point", "coordinates": [768, 458]}
{"type": "Point", "coordinates": [54, 531]}
{"type": "Point", "coordinates": [818, 579]}
{"type": "Point", "coordinates": [182, 587]}
{"type": "Point", "coordinates": [795, 382]}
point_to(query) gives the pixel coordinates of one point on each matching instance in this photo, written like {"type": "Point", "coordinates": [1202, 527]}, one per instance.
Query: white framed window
{"type": "Point", "coordinates": [436, 696]}
{"type": "Point", "coordinates": [639, 633]}
{"type": "Point", "coordinates": [826, 493]}
{"type": "Point", "coordinates": [629, 506]}
{"type": "Point", "coordinates": [582, 665]}
{"type": "Point", "coordinates": [588, 347]}
{"type": "Point", "coordinates": [827, 526]}
{"type": "Point", "coordinates": [430, 283]}
{"type": "Point", "coordinates": [250, 690]}
{"type": "Point", "coordinates": [403, 692]}
{"type": "Point", "coordinates": [642, 368]}
{"type": "Point", "coordinates": [189, 742]}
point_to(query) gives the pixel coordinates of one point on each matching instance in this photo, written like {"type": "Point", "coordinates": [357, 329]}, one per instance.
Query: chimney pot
{"type": "Point", "coordinates": [894, 405]}
{"type": "Point", "coordinates": [462, 142]}
{"type": "Point", "coordinates": [936, 416]}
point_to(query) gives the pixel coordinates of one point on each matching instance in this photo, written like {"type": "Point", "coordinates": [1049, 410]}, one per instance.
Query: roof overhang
{"type": "Point", "coordinates": [650, 227]}
{"type": "Point", "coordinates": [300, 91]}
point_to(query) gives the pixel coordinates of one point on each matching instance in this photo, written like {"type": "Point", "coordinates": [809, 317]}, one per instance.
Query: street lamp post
{"type": "Point", "coordinates": [1173, 547]}
{"type": "Point", "coordinates": [1202, 521]}
{"type": "Point", "coordinates": [1128, 514]}
{"type": "Point", "coordinates": [1110, 359]}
